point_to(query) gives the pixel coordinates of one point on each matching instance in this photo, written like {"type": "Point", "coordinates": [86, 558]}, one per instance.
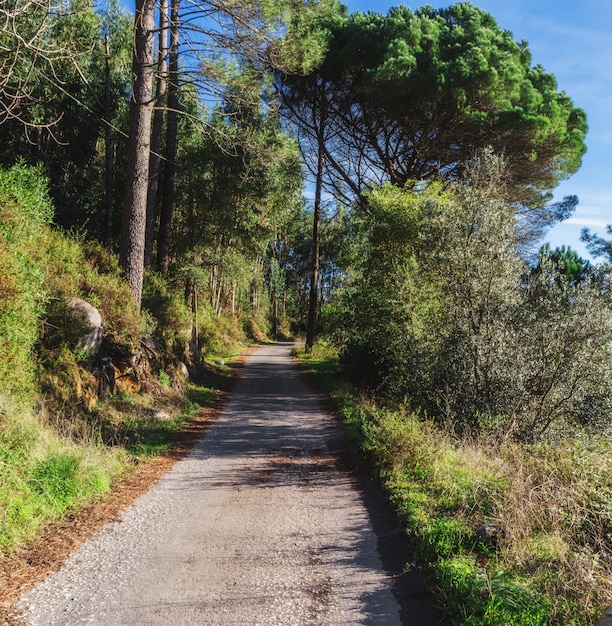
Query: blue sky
{"type": "Point", "coordinates": [573, 41]}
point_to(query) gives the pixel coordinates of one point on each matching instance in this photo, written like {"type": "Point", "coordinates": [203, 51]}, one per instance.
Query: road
{"type": "Point", "coordinates": [260, 524]}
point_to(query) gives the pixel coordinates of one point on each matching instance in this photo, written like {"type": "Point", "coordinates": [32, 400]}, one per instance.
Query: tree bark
{"type": "Point", "coordinates": [316, 246]}
{"type": "Point", "coordinates": [157, 132]}
{"type": "Point", "coordinates": [135, 203]}
{"type": "Point", "coordinates": [108, 149]}
{"type": "Point", "coordinates": [167, 207]}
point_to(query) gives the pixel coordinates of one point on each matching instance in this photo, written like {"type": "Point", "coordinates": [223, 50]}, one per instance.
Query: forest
{"type": "Point", "coordinates": [204, 175]}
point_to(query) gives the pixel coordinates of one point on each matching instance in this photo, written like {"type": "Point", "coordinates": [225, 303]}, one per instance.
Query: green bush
{"type": "Point", "coordinates": [444, 313]}
{"type": "Point", "coordinates": [172, 317]}
{"type": "Point", "coordinates": [25, 211]}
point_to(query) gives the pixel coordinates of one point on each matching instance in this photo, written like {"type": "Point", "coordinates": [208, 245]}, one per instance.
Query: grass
{"type": "Point", "coordinates": [45, 475]}
{"type": "Point", "coordinates": [551, 560]}
{"type": "Point", "coordinates": [46, 471]}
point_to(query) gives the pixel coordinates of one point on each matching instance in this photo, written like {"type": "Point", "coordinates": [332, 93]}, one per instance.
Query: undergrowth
{"type": "Point", "coordinates": [63, 437]}
{"type": "Point", "coordinates": [545, 558]}
{"type": "Point", "coordinates": [50, 465]}
{"type": "Point", "coordinates": [45, 475]}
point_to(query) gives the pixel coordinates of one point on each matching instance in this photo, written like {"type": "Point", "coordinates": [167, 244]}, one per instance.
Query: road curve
{"type": "Point", "coordinates": [258, 525]}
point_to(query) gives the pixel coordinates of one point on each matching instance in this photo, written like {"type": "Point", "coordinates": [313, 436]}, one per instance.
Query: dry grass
{"type": "Point", "coordinates": [553, 502]}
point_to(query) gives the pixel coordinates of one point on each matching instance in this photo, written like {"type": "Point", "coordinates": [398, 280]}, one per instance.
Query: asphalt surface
{"type": "Point", "coordinates": [260, 524]}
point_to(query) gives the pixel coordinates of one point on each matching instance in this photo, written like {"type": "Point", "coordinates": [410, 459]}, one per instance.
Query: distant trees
{"type": "Point", "coordinates": [238, 188]}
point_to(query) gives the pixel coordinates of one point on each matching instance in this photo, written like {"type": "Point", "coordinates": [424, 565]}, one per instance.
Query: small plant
{"type": "Point", "coordinates": [164, 378]}
{"type": "Point", "coordinates": [55, 479]}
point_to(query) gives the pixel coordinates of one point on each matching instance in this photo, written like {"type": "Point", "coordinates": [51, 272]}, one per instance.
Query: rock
{"type": "Point", "coordinates": [219, 362]}
{"type": "Point", "coordinates": [92, 339]}
{"type": "Point", "coordinates": [606, 618]}
{"type": "Point", "coordinates": [160, 415]}
{"type": "Point", "coordinates": [491, 535]}
{"type": "Point", "coordinates": [182, 369]}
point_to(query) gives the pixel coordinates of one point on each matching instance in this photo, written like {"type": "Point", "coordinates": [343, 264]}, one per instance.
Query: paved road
{"type": "Point", "coordinates": [257, 526]}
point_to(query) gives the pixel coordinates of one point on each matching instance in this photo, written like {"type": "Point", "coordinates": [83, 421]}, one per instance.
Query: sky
{"type": "Point", "coordinates": [573, 40]}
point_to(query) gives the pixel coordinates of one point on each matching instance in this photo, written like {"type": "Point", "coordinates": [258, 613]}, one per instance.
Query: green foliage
{"type": "Point", "coordinates": [170, 313]}
{"type": "Point", "coordinates": [572, 267]}
{"type": "Point", "coordinates": [222, 335]}
{"type": "Point", "coordinates": [305, 43]}
{"type": "Point", "coordinates": [87, 270]}
{"type": "Point", "coordinates": [451, 75]}
{"type": "Point", "coordinates": [69, 104]}
{"type": "Point", "coordinates": [502, 600]}
{"type": "Point", "coordinates": [389, 294]}
{"type": "Point", "coordinates": [444, 313]}
{"type": "Point", "coordinates": [25, 211]}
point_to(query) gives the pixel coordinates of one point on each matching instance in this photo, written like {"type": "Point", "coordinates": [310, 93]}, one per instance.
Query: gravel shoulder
{"type": "Point", "coordinates": [259, 524]}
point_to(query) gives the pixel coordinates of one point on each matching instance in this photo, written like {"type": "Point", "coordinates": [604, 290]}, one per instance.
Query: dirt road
{"type": "Point", "coordinates": [258, 525]}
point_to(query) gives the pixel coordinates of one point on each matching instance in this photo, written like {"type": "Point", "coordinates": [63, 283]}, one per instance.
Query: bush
{"type": "Point", "coordinates": [172, 317]}
{"type": "Point", "coordinates": [444, 314]}
{"type": "Point", "coordinates": [25, 211]}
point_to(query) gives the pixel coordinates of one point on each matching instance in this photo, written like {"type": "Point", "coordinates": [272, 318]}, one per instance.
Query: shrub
{"type": "Point", "coordinates": [172, 318]}
{"type": "Point", "coordinates": [443, 313]}
{"type": "Point", "coordinates": [25, 211]}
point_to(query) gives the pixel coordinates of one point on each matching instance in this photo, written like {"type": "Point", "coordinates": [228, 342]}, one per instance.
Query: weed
{"type": "Point", "coordinates": [164, 378]}
{"type": "Point", "coordinates": [55, 479]}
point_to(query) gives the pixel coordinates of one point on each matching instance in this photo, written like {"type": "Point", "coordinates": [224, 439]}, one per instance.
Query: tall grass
{"type": "Point", "coordinates": [547, 558]}
{"type": "Point", "coordinates": [44, 475]}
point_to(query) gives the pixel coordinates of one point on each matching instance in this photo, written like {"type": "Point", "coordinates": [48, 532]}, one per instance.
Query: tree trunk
{"type": "Point", "coordinates": [165, 218]}
{"type": "Point", "coordinates": [158, 131]}
{"type": "Point", "coordinates": [316, 245]}
{"type": "Point", "coordinates": [108, 149]}
{"type": "Point", "coordinates": [135, 204]}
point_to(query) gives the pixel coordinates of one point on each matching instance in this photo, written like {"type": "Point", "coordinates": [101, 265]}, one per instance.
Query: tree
{"type": "Point", "coordinates": [414, 95]}
{"type": "Point", "coordinates": [417, 96]}
{"type": "Point", "coordinates": [26, 48]}
{"type": "Point", "coordinates": [157, 130]}
{"type": "Point", "coordinates": [86, 93]}
{"type": "Point", "coordinates": [596, 245]}
{"type": "Point", "coordinates": [572, 268]}
{"type": "Point", "coordinates": [237, 188]}
{"type": "Point", "coordinates": [167, 205]}
{"type": "Point", "coordinates": [233, 32]}
{"type": "Point", "coordinates": [444, 314]}
{"type": "Point", "coordinates": [135, 204]}
{"type": "Point", "coordinates": [305, 102]}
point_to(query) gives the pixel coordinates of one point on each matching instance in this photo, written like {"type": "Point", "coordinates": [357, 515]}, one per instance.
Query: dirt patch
{"type": "Point", "coordinates": [20, 571]}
